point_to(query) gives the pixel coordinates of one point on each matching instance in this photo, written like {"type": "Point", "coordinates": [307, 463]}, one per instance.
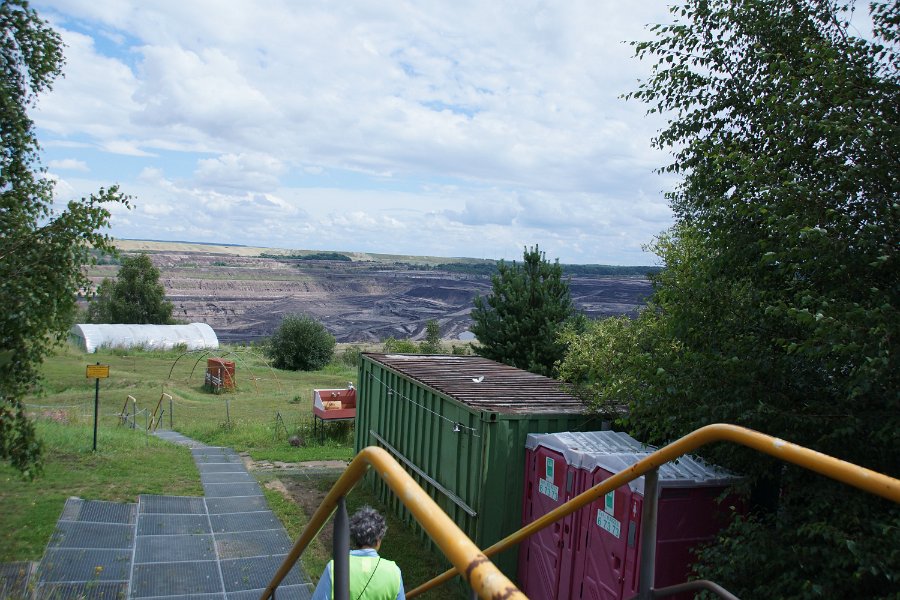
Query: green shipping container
{"type": "Point", "coordinates": [458, 424]}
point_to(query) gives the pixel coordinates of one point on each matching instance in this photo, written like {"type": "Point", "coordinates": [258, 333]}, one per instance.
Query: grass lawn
{"type": "Point", "coordinates": [243, 419]}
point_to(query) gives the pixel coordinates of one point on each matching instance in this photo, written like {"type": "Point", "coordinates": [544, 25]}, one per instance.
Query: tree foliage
{"type": "Point", "coordinates": [300, 344]}
{"type": "Point", "coordinates": [136, 296]}
{"type": "Point", "coordinates": [778, 307]}
{"type": "Point", "coordinates": [519, 322]}
{"type": "Point", "coordinates": [432, 342]}
{"type": "Point", "coordinates": [394, 345]}
{"type": "Point", "coordinates": [42, 248]}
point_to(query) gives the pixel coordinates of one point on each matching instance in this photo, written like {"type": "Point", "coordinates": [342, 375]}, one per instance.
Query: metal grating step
{"type": "Point", "coordinates": [247, 544]}
{"type": "Point", "coordinates": [82, 591]}
{"type": "Point", "coordinates": [175, 579]}
{"type": "Point", "coordinates": [226, 490]}
{"type": "Point", "coordinates": [174, 548]}
{"type": "Point", "coordinates": [15, 578]}
{"type": "Point", "coordinates": [237, 504]}
{"type": "Point", "coordinates": [97, 511]}
{"type": "Point", "coordinates": [67, 565]}
{"type": "Point", "coordinates": [242, 574]}
{"type": "Point", "coordinates": [226, 467]}
{"type": "Point", "coordinates": [225, 546]}
{"type": "Point", "coordinates": [77, 534]}
{"type": "Point", "coordinates": [285, 592]}
{"type": "Point", "coordinates": [180, 505]}
{"type": "Point", "coordinates": [172, 524]}
{"type": "Point", "coordinates": [249, 521]}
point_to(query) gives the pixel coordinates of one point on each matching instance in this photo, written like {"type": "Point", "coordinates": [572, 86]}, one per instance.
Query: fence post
{"type": "Point", "coordinates": [341, 551]}
{"type": "Point", "coordinates": [648, 535]}
{"type": "Point", "coordinates": [171, 427]}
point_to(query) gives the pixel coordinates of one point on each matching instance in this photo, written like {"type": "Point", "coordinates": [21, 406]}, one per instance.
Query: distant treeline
{"type": "Point", "coordinates": [487, 268]}
{"type": "Point", "coordinates": [609, 270]}
{"type": "Point", "coordinates": [103, 258]}
{"type": "Point", "coordinates": [315, 256]}
{"type": "Point", "coordinates": [484, 268]}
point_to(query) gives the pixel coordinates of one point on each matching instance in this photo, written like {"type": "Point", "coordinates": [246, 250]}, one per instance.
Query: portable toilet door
{"type": "Point", "coordinates": [608, 564]}
{"type": "Point", "coordinates": [545, 558]}
{"type": "Point", "coordinates": [606, 542]}
{"type": "Point", "coordinates": [689, 514]}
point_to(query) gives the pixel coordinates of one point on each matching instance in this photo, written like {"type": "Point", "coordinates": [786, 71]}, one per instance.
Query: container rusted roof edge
{"type": "Point", "coordinates": [483, 384]}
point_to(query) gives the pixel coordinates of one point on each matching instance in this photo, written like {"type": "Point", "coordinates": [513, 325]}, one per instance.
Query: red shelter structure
{"type": "Point", "coordinates": [595, 553]}
{"type": "Point", "coordinates": [219, 374]}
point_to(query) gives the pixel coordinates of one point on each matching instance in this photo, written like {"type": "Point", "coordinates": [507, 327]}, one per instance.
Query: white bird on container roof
{"type": "Point", "coordinates": [478, 379]}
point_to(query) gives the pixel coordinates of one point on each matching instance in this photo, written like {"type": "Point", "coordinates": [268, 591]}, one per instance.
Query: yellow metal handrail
{"type": "Point", "coordinates": [465, 556]}
{"type": "Point", "coordinates": [845, 472]}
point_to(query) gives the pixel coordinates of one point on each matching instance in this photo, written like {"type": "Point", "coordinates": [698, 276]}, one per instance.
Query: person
{"type": "Point", "coordinates": [371, 576]}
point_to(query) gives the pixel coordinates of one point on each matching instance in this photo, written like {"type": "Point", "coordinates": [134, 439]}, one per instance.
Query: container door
{"type": "Point", "coordinates": [541, 559]}
{"type": "Point", "coordinates": [632, 547]}
{"type": "Point", "coordinates": [605, 530]}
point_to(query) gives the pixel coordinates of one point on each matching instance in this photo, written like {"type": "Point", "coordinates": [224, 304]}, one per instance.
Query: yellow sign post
{"type": "Point", "coordinates": [96, 372]}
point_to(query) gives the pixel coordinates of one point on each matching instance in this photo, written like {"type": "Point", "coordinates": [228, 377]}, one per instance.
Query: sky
{"type": "Point", "coordinates": [456, 129]}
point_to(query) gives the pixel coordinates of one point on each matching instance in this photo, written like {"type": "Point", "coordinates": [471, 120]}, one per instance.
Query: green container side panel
{"type": "Point", "coordinates": [482, 464]}
{"type": "Point", "coordinates": [420, 425]}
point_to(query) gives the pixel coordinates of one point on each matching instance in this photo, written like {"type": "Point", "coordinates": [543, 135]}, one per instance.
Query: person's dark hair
{"type": "Point", "coordinates": [367, 526]}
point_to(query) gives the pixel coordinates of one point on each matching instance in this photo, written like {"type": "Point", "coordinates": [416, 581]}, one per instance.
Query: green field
{"type": "Point", "coordinates": [243, 419]}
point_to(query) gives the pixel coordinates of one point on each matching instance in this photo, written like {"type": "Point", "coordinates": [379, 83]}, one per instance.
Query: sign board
{"type": "Point", "coordinates": [609, 502]}
{"type": "Point", "coordinates": [97, 371]}
{"type": "Point", "coordinates": [609, 523]}
{"type": "Point", "coordinates": [548, 489]}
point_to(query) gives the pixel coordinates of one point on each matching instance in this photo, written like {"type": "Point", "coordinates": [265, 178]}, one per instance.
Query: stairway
{"type": "Point", "coordinates": [225, 545]}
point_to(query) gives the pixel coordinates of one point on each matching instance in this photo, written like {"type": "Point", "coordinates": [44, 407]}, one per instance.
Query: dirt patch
{"type": "Point", "coordinates": [303, 484]}
{"type": "Point", "coordinates": [308, 496]}
{"type": "Point", "coordinates": [278, 486]}
{"type": "Point", "coordinates": [296, 468]}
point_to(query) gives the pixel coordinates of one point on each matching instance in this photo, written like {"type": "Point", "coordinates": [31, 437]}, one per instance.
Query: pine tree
{"type": "Point", "coordinates": [519, 322]}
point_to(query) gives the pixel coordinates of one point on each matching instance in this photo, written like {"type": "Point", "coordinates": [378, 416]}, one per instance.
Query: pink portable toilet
{"type": "Point", "coordinates": [599, 558]}
{"type": "Point", "coordinates": [552, 477]}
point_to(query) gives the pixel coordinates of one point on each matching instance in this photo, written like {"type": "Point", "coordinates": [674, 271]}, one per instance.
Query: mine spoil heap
{"type": "Point", "coordinates": [245, 297]}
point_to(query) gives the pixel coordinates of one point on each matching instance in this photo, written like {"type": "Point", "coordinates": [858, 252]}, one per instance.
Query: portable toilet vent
{"type": "Point", "coordinates": [595, 552]}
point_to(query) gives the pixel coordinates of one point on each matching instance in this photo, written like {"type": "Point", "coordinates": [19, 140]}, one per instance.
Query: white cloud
{"type": "Point", "coordinates": [68, 164]}
{"type": "Point", "coordinates": [240, 171]}
{"type": "Point", "coordinates": [449, 122]}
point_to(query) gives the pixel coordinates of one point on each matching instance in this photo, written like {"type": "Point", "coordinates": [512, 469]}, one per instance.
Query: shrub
{"type": "Point", "coordinates": [300, 344]}
{"type": "Point", "coordinates": [395, 346]}
{"type": "Point", "coordinates": [350, 355]}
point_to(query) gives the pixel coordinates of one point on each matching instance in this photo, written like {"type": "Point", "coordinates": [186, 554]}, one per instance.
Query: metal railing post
{"type": "Point", "coordinates": [648, 535]}
{"type": "Point", "coordinates": [341, 548]}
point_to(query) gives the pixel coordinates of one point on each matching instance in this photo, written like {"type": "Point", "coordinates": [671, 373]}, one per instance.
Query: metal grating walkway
{"type": "Point", "coordinates": [226, 545]}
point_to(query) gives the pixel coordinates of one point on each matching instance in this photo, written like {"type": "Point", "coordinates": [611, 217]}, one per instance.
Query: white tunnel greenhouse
{"type": "Point", "coordinates": [194, 336]}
